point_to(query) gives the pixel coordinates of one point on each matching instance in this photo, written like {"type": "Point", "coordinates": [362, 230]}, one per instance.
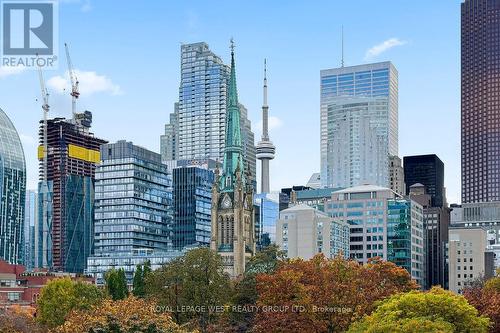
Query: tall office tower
{"type": "Point", "coordinates": [382, 224]}
{"type": "Point", "coordinates": [30, 224]}
{"type": "Point", "coordinates": [169, 148]}
{"type": "Point", "coordinates": [249, 149]}
{"type": "Point", "coordinates": [12, 192]}
{"type": "Point", "coordinates": [359, 124]}
{"type": "Point", "coordinates": [73, 155]}
{"type": "Point", "coordinates": [133, 205]}
{"type": "Point", "coordinates": [201, 122]}
{"type": "Point", "coordinates": [480, 102]}
{"type": "Point", "coordinates": [266, 214]}
{"type": "Point", "coordinates": [192, 197]}
{"type": "Point", "coordinates": [436, 226]}
{"type": "Point", "coordinates": [396, 175]}
{"type": "Point", "coordinates": [233, 219]}
{"type": "Point", "coordinates": [429, 171]}
{"type": "Point", "coordinates": [265, 148]}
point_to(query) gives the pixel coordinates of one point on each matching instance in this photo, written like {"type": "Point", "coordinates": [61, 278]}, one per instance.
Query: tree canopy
{"type": "Point", "coordinates": [116, 284]}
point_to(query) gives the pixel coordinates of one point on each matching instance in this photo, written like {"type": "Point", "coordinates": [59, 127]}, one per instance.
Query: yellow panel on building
{"type": "Point", "coordinates": [84, 154]}
{"type": "Point", "coordinates": [40, 152]}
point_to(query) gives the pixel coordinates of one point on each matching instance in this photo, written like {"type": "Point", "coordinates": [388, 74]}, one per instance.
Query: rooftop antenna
{"type": "Point", "coordinates": [342, 61]}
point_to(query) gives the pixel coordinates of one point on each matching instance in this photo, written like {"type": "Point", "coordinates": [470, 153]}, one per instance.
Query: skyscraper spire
{"type": "Point", "coordinates": [233, 150]}
{"type": "Point", "coordinates": [265, 148]}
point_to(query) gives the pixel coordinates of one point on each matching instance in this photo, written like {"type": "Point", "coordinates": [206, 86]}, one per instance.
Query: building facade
{"type": "Point", "coordinates": [197, 127]}
{"type": "Point", "coordinates": [429, 171]}
{"type": "Point", "coordinates": [133, 204]}
{"type": "Point", "coordinates": [480, 100]}
{"type": "Point", "coordinates": [396, 175]}
{"type": "Point", "coordinates": [192, 198]}
{"type": "Point", "coordinates": [68, 201]}
{"type": "Point", "coordinates": [303, 232]}
{"type": "Point", "coordinates": [468, 257]}
{"type": "Point", "coordinates": [169, 147]}
{"type": "Point", "coordinates": [382, 224]}
{"type": "Point", "coordinates": [30, 225]}
{"type": "Point", "coordinates": [267, 213]}
{"type": "Point", "coordinates": [359, 124]}
{"type": "Point", "coordinates": [233, 217]}
{"type": "Point", "coordinates": [436, 226]}
{"type": "Point", "coordinates": [12, 192]}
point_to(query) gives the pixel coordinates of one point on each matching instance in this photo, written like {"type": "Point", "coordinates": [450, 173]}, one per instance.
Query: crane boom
{"type": "Point", "coordinates": [75, 93]}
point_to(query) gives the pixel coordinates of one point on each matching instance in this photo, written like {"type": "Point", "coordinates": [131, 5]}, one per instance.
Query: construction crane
{"type": "Point", "coordinates": [44, 186]}
{"type": "Point", "coordinates": [75, 93]}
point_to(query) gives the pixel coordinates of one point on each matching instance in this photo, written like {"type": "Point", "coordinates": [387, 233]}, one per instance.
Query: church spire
{"type": "Point", "coordinates": [233, 151]}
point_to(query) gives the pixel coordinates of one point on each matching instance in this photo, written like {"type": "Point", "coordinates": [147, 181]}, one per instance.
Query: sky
{"type": "Point", "coordinates": [127, 57]}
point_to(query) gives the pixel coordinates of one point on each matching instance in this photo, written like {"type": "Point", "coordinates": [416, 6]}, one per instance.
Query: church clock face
{"type": "Point", "coordinates": [226, 202]}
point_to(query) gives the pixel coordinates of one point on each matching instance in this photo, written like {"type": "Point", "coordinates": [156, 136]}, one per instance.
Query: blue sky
{"type": "Point", "coordinates": [127, 53]}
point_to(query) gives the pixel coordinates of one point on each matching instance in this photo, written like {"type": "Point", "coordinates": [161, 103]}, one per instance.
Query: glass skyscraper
{"type": "Point", "coordinates": [30, 226]}
{"type": "Point", "coordinates": [198, 125]}
{"type": "Point", "coordinates": [12, 192]}
{"type": "Point", "coordinates": [359, 124]}
{"type": "Point", "coordinates": [133, 207]}
{"type": "Point", "coordinates": [267, 213]}
{"type": "Point", "coordinates": [192, 195]}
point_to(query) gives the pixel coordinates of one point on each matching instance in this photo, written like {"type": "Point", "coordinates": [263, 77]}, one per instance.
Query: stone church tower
{"type": "Point", "coordinates": [233, 219]}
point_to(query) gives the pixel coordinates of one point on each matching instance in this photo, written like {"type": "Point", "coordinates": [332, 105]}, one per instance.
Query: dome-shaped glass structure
{"type": "Point", "coordinates": [12, 192]}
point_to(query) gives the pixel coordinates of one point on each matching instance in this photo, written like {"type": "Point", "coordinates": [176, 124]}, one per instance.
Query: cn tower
{"type": "Point", "coordinates": [265, 149]}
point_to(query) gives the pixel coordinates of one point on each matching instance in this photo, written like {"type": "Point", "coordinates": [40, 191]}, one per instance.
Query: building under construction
{"type": "Point", "coordinates": [66, 234]}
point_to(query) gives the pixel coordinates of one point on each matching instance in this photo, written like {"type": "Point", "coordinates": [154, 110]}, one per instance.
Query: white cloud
{"type": "Point", "coordinates": [89, 83]}
{"type": "Point", "coordinates": [9, 70]}
{"type": "Point", "coordinates": [382, 47]}
{"type": "Point", "coordinates": [86, 6]}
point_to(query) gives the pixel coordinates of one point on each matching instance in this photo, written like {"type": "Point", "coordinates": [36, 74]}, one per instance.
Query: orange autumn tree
{"type": "Point", "coordinates": [485, 297]}
{"type": "Point", "coordinates": [17, 319]}
{"type": "Point", "coordinates": [127, 315]}
{"type": "Point", "coordinates": [324, 295]}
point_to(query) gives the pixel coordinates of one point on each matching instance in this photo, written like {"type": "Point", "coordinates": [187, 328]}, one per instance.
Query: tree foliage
{"type": "Point", "coordinates": [116, 284]}
{"type": "Point", "coordinates": [324, 295]}
{"type": "Point", "coordinates": [486, 299]}
{"type": "Point", "coordinates": [60, 296]}
{"type": "Point", "coordinates": [191, 286]}
{"type": "Point", "coordinates": [139, 282]}
{"type": "Point", "coordinates": [127, 315]}
{"type": "Point", "coordinates": [434, 311]}
{"type": "Point", "coordinates": [19, 320]}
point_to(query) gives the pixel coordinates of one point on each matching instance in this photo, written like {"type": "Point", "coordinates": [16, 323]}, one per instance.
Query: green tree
{"type": "Point", "coordinates": [138, 282]}
{"type": "Point", "coordinates": [434, 311]}
{"type": "Point", "coordinates": [196, 279]}
{"type": "Point", "coordinates": [116, 284]}
{"type": "Point", "coordinates": [60, 296]}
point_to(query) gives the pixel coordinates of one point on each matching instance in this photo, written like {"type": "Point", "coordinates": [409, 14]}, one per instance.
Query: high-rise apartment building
{"type": "Point", "coordinates": [133, 205]}
{"type": "Point", "coordinates": [72, 157]}
{"type": "Point", "coordinates": [480, 102]}
{"type": "Point", "coordinates": [359, 124]}
{"type": "Point", "coordinates": [12, 192]}
{"type": "Point", "coordinates": [169, 141]}
{"type": "Point", "coordinates": [382, 224]}
{"type": "Point", "coordinates": [197, 128]}
{"type": "Point", "coordinates": [429, 171]}
{"type": "Point", "coordinates": [303, 232]}
{"type": "Point", "coordinates": [192, 198]}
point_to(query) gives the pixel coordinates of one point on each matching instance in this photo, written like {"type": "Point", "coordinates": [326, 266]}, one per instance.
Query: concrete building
{"type": "Point", "coordinates": [359, 124]}
{"type": "Point", "coordinates": [436, 225]}
{"type": "Point", "coordinates": [483, 214]}
{"type": "Point", "coordinates": [396, 175]}
{"type": "Point", "coordinates": [468, 257]}
{"type": "Point", "coordinates": [265, 148]}
{"type": "Point", "coordinates": [233, 216]}
{"type": "Point", "coordinates": [303, 232]}
{"type": "Point", "coordinates": [429, 171]}
{"type": "Point", "coordinates": [198, 125]}
{"type": "Point", "coordinates": [382, 224]}
{"type": "Point", "coordinates": [314, 181]}
{"type": "Point", "coordinates": [12, 192]}
{"type": "Point", "coordinates": [133, 207]}
{"type": "Point", "coordinates": [314, 197]}
{"type": "Point", "coordinates": [480, 100]}
{"type": "Point", "coordinates": [68, 200]}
